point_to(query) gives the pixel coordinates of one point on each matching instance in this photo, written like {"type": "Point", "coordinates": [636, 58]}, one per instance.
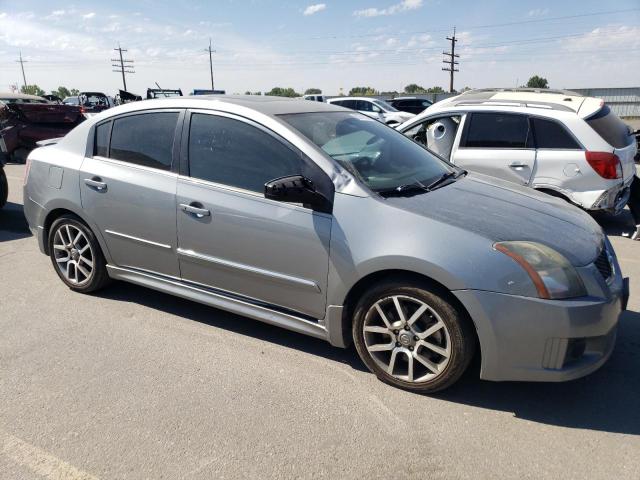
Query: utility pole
{"type": "Point", "coordinates": [451, 61]}
{"type": "Point", "coordinates": [123, 66]}
{"type": "Point", "coordinates": [210, 61]}
{"type": "Point", "coordinates": [22, 62]}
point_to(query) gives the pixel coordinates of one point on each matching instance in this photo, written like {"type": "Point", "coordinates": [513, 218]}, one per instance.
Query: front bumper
{"type": "Point", "coordinates": [531, 339]}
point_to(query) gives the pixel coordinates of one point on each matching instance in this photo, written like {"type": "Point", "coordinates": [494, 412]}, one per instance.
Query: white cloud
{"type": "Point", "coordinates": [392, 10]}
{"type": "Point", "coordinates": [538, 12]}
{"type": "Point", "coordinates": [311, 9]}
{"type": "Point", "coordinates": [89, 16]}
{"type": "Point", "coordinates": [57, 13]}
{"type": "Point", "coordinates": [605, 37]}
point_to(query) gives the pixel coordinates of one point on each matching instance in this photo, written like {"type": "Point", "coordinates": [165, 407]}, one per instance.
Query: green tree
{"type": "Point", "coordinates": [247, 92]}
{"type": "Point", "coordinates": [414, 88]}
{"type": "Point", "coordinates": [435, 89]}
{"type": "Point", "coordinates": [62, 92]}
{"type": "Point", "coordinates": [313, 91]}
{"type": "Point", "coordinates": [32, 90]}
{"type": "Point", "coordinates": [74, 92]}
{"type": "Point", "coordinates": [537, 82]}
{"type": "Point", "coordinates": [363, 91]}
{"type": "Point", "coordinates": [283, 92]}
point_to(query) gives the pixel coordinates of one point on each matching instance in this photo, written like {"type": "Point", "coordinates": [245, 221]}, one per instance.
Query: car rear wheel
{"type": "Point", "coordinates": [4, 188]}
{"type": "Point", "coordinates": [76, 255]}
{"type": "Point", "coordinates": [412, 337]}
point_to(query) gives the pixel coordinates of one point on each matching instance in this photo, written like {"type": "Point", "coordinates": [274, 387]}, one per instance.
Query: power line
{"type": "Point", "coordinates": [22, 62]}
{"type": "Point", "coordinates": [123, 66]}
{"type": "Point", "coordinates": [451, 61]}
{"type": "Point", "coordinates": [210, 61]}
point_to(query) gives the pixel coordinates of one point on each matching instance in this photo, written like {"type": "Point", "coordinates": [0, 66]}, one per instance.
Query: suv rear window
{"type": "Point", "coordinates": [612, 130]}
{"type": "Point", "coordinates": [550, 134]}
{"type": "Point", "coordinates": [498, 130]}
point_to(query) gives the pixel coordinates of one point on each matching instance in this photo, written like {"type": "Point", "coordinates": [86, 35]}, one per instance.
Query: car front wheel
{"type": "Point", "coordinates": [76, 255]}
{"type": "Point", "coordinates": [412, 337]}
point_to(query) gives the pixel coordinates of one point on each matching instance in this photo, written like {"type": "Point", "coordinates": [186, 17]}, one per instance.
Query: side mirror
{"type": "Point", "coordinates": [297, 189]}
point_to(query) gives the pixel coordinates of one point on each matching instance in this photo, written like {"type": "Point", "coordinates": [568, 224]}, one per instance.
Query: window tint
{"type": "Point", "coordinates": [230, 152]}
{"type": "Point", "coordinates": [101, 144]}
{"type": "Point", "coordinates": [364, 106]}
{"type": "Point", "coordinates": [497, 130]}
{"type": "Point", "coordinates": [551, 134]}
{"type": "Point", "coordinates": [349, 104]}
{"type": "Point", "coordinates": [612, 130]}
{"type": "Point", "coordinates": [145, 139]}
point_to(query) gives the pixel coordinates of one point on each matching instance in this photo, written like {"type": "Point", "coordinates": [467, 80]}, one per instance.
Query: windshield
{"type": "Point", "coordinates": [71, 101]}
{"type": "Point", "coordinates": [379, 156]}
{"type": "Point", "coordinates": [387, 107]}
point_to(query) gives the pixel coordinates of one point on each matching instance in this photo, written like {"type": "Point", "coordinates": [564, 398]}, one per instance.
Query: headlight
{"type": "Point", "coordinates": [551, 273]}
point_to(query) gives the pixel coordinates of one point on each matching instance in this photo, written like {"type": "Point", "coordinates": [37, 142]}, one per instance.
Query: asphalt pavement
{"type": "Point", "coordinates": [132, 383]}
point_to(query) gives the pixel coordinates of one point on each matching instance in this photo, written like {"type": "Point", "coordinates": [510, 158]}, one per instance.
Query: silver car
{"type": "Point", "coordinates": [326, 222]}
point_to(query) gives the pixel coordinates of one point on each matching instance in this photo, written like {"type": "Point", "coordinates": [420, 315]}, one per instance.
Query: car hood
{"type": "Point", "coordinates": [501, 211]}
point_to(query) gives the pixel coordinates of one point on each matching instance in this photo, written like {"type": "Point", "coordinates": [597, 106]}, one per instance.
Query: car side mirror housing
{"type": "Point", "coordinates": [297, 189]}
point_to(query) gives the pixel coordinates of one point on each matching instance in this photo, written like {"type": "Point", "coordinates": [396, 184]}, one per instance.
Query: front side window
{"type": "Point", "coordinates": [384, 106]}
{"type": "Point", "coordinates": [234, 153]}
{"type": "Point", "coordinates": [498, 130]}
{"type": "Point", "coordinates": [380, 157]}
{"type": "Point", "coordinates": [364, 106]}
{"type": "Point", "coordinates": [550, 134]}
{"type": "Point", "coordinates": [145, 139]}
{"type": "Point", "coordinates": [437, 134]}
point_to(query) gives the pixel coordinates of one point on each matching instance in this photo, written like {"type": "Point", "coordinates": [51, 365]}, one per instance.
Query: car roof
{"type": "Point", "coordinates": [541, 99]}
{"type": "Point", "coordinates": [23, 96]}
{"type": "Point", "coordinates": [354, 98]}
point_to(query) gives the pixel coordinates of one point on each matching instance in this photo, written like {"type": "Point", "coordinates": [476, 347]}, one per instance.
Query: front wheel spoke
{"type": "Point", "coordinates": [59, 247]}
{"type": "Point", "coordinates": [83, 271]}
{"type": "Point", "coordinates": [410, 368]}
{"type": "Point", "coordinates": [383, 316]}
{"type": "Point", "coordinates": [374, 329]}
{"type": "Point", "coordinates": [63, 260]}
{"type": "Point", "coordinates": [417, 314]}
{"type": "Point", "coordinates": [83, 249]}
{"type": "Point", "coordinates": [77, 239]}
{"type": "Point", "coordinates": [427, 363]}
{"type": "Point", "coordinates": [66, 227]}
{"type": "Point", "coordinates": [435, 348]}
{"type": "Point", "coordinates": [87, 262]}
{"type": "Point", "coordinates": [381, 347]}
{"type": "Point", "coordinates": [392, 362]}
{"type": "Point", "coordinates": [431, 330]}
{"type": "Point", "coordinates": [75, 273]}
{"type": "Point", "coordinates": [401, 316]}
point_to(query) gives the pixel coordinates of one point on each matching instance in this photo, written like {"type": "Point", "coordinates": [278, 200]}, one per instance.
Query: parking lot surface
{"type": "Point", "coordinates": [132, 383]}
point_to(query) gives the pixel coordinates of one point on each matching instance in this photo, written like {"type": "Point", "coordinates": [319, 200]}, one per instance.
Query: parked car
{"type": "Point", "coordinates": [52, 98]}
{"type": "Point", "coordinates": [315, 98]}
{"type": "Point", "coordinates": [410, 104]}
{"type": "Point", "coordinates": [163, 93]}
{"type": "Point", "coordinates": [374, 108]}
{"type": "Point", "coordinates": [557, 142]}
{"type": "Point", "coordinates": [26, 119]}
{"type": "Point", "coordinates": [91, 103]}
{"type": "Point", "coordinates": [318, 219]}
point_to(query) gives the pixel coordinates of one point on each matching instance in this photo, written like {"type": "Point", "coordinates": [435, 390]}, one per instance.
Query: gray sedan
{"type": "Point", "coordinates": [326, 222]}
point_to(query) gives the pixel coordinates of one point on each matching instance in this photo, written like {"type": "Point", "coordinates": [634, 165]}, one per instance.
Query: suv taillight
{"type": "Point", "coordinates": [607, 165]}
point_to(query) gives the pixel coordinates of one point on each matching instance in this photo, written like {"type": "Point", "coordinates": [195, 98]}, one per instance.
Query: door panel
{"type": "Point", "coordinates": [513, 165]}
{"type": "Point", "coordinates": [257, 248]}
{"type": "Point", "coordinates": [134, 207]}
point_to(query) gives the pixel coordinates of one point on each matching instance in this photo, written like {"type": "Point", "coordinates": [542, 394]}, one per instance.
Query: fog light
{"type": "Point", "coordinates": [575, 349]}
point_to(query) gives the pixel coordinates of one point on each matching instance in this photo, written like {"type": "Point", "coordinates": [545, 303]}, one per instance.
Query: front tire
{"type": "Point", "coordinates": [412, 336]}
{"type": "Point", "coordinates": [76, 255]}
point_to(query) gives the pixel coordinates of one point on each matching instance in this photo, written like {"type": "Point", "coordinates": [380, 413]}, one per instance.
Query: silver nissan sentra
{"type": "Point", "coordinates": [326, 222]}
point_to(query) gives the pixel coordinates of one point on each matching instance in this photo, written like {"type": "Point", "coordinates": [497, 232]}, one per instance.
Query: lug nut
{"type": "Point", "coordinates": [397, 344]}
{"type": "Point", "coordinates": [411, 348]}
{"type": "Point", "coordinates": [396, 332]}
{"type": "Point", "coordinates": [406, 327]}
{"type": "Point", "coordinates": [416, 338]}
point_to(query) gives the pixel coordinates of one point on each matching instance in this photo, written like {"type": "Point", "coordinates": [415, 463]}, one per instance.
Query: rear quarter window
{"type": "Point", "coordinates": [612, 130]}
{"type": "Point", "coordinates": [550, 134]}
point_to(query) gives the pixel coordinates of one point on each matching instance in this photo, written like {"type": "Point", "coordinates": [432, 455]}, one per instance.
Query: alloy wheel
{"type": "Point", "coordinates": [73, 254]}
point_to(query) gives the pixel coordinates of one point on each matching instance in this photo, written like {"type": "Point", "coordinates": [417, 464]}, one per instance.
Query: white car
{"type": "Point", "coordinates": [374, 108]}
{"type": "Point", "coordinates": [558, 142]}
{"type": "Point", "coordinates": [315, 98]}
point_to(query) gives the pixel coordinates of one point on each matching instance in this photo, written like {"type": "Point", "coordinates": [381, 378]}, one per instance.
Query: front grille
{"type": "Point", "coordinates": [603, 264]}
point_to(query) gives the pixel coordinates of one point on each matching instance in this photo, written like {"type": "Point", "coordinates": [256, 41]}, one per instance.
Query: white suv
{"type": "Point", "coordinates": [374, 108]}
{"type": "Point", "coordinates": [557, 142]}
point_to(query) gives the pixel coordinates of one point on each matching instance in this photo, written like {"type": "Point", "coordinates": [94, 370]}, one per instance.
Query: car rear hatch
{"type": "Point", "coordinates": [612, 130]}
{"type": "Point", "coordinates": [48, 113]}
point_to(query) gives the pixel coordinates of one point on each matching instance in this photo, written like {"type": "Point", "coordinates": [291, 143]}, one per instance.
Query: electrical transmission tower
{"type": "Point", "coordinates": [123, 66]}
{"type": "Point", "coordinates": [451, 61]}
{"type": "Point", "coordinates": [22, 62]}
{"type": "Point", "coordinates": [210, 61]}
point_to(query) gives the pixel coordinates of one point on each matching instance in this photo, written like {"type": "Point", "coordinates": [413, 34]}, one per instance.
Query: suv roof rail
{"type": "Point", "coordinates": [524, 89]}
{"type": "Point", "coordinates": [513, 103]}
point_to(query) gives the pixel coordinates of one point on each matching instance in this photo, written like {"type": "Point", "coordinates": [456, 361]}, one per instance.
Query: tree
{"type": "Point", "coordinates": [74, 92]}
{"type": "Point", "coordinates": [537, 82]}
{"type": "Point", "coordinates": [62, 92]}
{"type": "Point", "coordinates": [32, 90]}
{"type": "Point", "coordinates": [414, 88]}
{"type": "Point", "coordinates": [435, 89]}
{"type": "Point", "coordinates": [313, 91]}
{"type": "Point", "coordinates": [283, 92]}
{"type": "Point", "coordinates": [363, 91]}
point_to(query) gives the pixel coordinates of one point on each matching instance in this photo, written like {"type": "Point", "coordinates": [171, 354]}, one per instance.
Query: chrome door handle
{"type": "Point", "coordinates": [96, 183]}
{"type": "Point", "coordinates": [518, 165]}
{"type": "Point", "coordinates": [197, 211]}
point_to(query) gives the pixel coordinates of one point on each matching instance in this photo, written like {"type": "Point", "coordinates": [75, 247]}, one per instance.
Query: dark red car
{"type": "Point", "coordinates": [27, 119]}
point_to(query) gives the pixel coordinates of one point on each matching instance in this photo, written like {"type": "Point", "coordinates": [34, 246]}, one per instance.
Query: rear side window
{"type": "Point", "coordinates": [145, 139]}
{"type": "Point", "coordinates": [233, 153]}
{"type": "Point", "coordinates": [364, 106]}
{"type": "Point", "coordinates": [551, 134]}
{"type": "Point", "coordinates": [498, 130]}
{"type": "Point", "coordinates": [612, 130]}
{"type": "Point", "coordinates": [101, 144]}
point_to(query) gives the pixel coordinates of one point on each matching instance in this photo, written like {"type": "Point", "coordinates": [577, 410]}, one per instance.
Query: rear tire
{"type": "Point", "coordinates": [76, 255]}
{"type": "Point", "coordinates": [4, 188]}
{"type": "Point", "coordinates": [412, 337]}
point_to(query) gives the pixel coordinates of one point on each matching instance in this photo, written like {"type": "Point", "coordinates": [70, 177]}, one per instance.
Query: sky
{"type": "Point", "coordinates": [333, 45]}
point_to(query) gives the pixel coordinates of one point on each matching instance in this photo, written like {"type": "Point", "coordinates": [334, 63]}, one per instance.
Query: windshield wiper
{"type": "Point", "coordinates": [445, 177]}
{"type": "Point", "coordinates": [418, 186]}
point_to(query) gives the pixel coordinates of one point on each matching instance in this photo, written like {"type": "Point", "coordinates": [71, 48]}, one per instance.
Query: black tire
{"type": "Point", "coordinates": [92, 255]}
{"type": "Point", "coordinates": [4, 188]}
{"type": "Point", "coordinates": [458, 337]}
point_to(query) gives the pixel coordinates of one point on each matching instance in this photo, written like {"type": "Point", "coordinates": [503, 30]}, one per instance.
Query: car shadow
{"type": "Point", "coordinates": [618, 225]}
{"type": "Point", "coordinates": [606, 400]}
{"type": "Point", "coordinates": [13, 225]}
